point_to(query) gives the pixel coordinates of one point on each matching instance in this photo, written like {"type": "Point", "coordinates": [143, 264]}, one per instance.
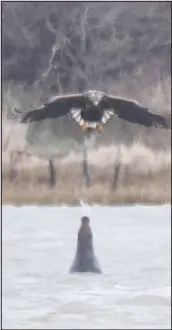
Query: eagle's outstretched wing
{"type": "Point", "coordinates": [134, 112]}
{"type": "Point", "coordinates": [56, 108]}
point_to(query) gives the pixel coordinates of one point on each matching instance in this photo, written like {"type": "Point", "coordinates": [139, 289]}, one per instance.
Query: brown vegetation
{"type": "Point", "coordinates": [144, 178]}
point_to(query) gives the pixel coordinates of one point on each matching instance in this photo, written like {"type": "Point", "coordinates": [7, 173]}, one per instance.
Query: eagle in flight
{"type": "Point", "coordinates": [91, 110]}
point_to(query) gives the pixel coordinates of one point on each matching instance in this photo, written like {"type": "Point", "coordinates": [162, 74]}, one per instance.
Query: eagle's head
{"type": "Point", "coordinates": [95, 96]}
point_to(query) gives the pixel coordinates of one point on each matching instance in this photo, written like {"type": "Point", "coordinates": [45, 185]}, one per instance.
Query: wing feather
{"type": "Point", "coordinates": [134, 112]}
{"type": "Point", "coordinates": [56, 108]}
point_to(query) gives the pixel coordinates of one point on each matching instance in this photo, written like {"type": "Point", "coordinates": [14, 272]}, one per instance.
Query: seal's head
{"type": "Point", "coordinates": [85, 220]}
{"type": "Point", "coordinates": [85, 229]}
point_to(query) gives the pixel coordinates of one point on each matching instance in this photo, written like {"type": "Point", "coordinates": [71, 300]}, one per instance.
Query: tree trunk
{"type": "Point", "coordinates": [52, 172]}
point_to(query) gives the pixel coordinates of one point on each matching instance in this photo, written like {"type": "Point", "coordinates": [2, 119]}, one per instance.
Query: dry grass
{"type": "Point", "coordinates": [145, 177]}
{"type": "Point", "coordinates": [151, 189]}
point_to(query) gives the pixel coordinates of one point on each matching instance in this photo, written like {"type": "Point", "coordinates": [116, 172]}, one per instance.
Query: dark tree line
{"type": "Point", "coordinates": [70, 46]}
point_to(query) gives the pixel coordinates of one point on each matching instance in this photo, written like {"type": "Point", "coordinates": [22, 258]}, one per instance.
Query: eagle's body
{"type": "Point", "coordinates": [91, 110]}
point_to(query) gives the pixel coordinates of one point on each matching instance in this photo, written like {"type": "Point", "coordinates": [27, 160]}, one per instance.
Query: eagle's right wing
{"type": "Point", "coordinates": [133, 111]}
{"type": "Point", "coordinates": [56, 108]}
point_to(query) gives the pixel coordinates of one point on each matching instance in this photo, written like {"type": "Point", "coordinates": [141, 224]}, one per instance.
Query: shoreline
{"type": "Point", "coordinates": [144, 178]}
{"type": "Point", "coordinates": [144, 190]}
{"type": "Point", "coordinates": [86, 205]}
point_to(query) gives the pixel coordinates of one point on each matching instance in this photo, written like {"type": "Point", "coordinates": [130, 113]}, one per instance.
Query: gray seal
{"type": "Point", "coordinates": [85, 259]}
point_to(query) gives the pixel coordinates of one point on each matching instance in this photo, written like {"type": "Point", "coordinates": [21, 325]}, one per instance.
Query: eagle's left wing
{"type": "Point", "coordinates": [133, 111]}
{"type": "Point", "coordinates": [56, 108]}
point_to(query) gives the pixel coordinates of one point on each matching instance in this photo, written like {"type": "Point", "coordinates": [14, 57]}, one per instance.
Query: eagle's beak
{"type": "Point", "coordinates": [100, 128]}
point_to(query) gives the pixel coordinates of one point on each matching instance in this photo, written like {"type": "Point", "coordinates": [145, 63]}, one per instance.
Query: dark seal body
{"type": "Point", "coordinates": [85, 259]}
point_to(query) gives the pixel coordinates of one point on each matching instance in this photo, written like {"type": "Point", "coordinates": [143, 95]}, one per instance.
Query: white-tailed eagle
{"type": "Point", "coordinates": [91, 110]}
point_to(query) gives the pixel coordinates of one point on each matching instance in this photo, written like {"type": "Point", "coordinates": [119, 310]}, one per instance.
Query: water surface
{"type": "Point", "coordinates": [132, 245]}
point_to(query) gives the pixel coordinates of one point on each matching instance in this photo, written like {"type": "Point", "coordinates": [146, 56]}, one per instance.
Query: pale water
{"type": "Point", "coordinates": [132, 245]}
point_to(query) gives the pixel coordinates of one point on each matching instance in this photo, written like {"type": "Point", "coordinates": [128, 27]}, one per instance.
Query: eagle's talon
{"type": "Point", "coordinates": [84, 127]}
{"type": "Point", "coordinates": [100, 128]}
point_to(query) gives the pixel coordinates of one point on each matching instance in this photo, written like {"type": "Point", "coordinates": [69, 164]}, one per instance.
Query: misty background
{"type": "Point", "coordinates": [52, 48]}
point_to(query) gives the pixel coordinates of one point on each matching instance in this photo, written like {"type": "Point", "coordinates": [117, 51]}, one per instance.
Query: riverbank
{"type": "Point", "coordinates": [144, 177]}
{"type": "Point", "coordinates": [32, 187]}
